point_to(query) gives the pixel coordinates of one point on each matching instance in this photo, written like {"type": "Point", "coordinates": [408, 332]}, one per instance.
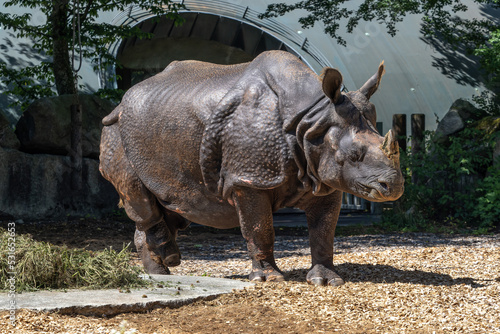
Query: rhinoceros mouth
{"type": "Point", "coordinates": [375, 194]}
{"type": "Point", "coordinates": [381, 191]}
{"type": "Point", "coordinates": [374, 191]}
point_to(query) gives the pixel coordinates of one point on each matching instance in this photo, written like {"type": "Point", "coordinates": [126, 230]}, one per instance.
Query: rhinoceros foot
{"type": "Point", "coordinates": [263, 276]}
{"type": "Point", "coordinates": [161, 242]}
{"type": "Point", "coordinates": [172, 260]}
{"type": "Point", "coordinates": [265, 271]}
{"type": "Point", "coordinates": [152, 262]}
{"type": "Point", "coordinates": [321, 275]}
{"type": "Point", "coordinates": [158, 249]}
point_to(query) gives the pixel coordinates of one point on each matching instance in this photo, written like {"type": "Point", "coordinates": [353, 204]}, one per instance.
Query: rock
{"type": "Point", "coordinates": [450, 124]}
{"type": "Point", "coordinates": [45, 127]}
{"type": "Point", "coordinates": [175, 291]}
{"type": "Point", "coordinates": [37, 186]}
{"type": "Point", "coordinates": [8, 138]}
{"type": "Point", "coordinates": [455, 119]}
{"type": "Point", "coordinates": [465, 109]}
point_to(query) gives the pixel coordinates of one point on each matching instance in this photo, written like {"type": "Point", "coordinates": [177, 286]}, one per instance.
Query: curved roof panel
{"type": "Point", "coordinates": [422, 75]}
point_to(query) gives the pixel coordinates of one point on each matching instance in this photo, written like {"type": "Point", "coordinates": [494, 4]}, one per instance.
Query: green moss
{"type": "Point", "coordinates": [489, 125]}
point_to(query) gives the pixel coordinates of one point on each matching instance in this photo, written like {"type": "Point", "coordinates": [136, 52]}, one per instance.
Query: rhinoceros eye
{"type": "Point", "coordinates": [357, 153]}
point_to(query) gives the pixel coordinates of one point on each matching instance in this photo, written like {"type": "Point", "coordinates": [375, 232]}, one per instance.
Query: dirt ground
{"type": "Point", "coordinates": [407, 283]}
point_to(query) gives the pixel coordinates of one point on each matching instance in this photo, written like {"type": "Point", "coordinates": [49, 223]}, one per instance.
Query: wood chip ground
{"type": "Point", "coordinates": [406, 283]}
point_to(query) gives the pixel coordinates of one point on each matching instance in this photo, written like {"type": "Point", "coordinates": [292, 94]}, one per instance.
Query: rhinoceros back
{"type": "Point", "coordinates": [161, 122]}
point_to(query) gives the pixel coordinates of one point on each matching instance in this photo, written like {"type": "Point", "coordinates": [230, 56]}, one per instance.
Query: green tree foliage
{"type": "Point", "coordinates": [458, 185]}
{"type": "Point", "coordinates": [489, 53]}
{"type": "Point", "coordinates": [56, 38]}
{"type": "Point", "coordinates": [440, 18]}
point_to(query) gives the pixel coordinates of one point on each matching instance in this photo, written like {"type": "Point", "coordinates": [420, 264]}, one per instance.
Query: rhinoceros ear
{"type": "Point", "coordinates": [332, 82]}
{"type": "Point", "coordinates": [371, 86]}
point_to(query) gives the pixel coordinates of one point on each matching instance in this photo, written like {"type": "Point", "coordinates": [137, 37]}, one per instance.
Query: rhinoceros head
{"type": "Point", "coordinates": [263, 134]}
{"type": "Point", "coordinates": [353, 156]}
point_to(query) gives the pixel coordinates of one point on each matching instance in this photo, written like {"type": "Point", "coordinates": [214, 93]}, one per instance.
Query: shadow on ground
{"type": "Point", "coordinates": [377, 273]}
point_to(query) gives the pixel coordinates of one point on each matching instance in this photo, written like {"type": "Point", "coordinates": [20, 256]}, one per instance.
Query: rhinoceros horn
{"type": "Point", "coordinates": [390, 146]}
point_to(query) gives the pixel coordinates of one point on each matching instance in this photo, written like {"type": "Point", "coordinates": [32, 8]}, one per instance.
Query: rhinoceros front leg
{"type": "Point", "coordinates": [322, 215]}
{"type": "Point", "coordinates": [256, 222]}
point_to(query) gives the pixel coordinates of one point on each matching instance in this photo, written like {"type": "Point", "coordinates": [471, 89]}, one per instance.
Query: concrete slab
{"type": "Point", "coordinates": [169, 291]}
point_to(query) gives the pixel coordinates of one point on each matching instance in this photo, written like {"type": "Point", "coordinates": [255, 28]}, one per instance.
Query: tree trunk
{"type": "Point", "coordinates": [61, 35]}
{"type": "Point", "coordinates": [65, 84]}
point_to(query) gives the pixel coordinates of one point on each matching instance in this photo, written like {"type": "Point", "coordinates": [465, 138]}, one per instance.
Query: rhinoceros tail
{"type": "Point", "coordinates": [113, 117]}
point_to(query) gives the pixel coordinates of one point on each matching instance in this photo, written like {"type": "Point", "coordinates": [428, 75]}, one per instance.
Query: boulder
{"type": "Point", "coordinates": [465, 109]}
{"type": "Point", "coordinates": [454, 121]}
{"type": "Point", "coordinates": [450, 124]}
{"type": "Point", "coordinates": [38, 186]}
{"type": "Point", "coordinates": [8, 138]}
{"type": "Point", "coordinates": [45, 127]}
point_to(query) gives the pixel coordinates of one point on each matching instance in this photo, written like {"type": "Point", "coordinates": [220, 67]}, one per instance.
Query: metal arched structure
{"type": "Point", "coordinates": [202, 36]}
{"type": "Point", "coordinates": [256, 34]}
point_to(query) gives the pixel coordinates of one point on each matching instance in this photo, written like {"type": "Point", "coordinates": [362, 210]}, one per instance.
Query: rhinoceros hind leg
{"type": "Point", "coordinates": [152, 263]}
{"type": "Point", "coordinates": [157, 247]}
{"type": "Point", "coordinates": [161, 242]}
{"type": "Point", "coordinates": [157, 228]}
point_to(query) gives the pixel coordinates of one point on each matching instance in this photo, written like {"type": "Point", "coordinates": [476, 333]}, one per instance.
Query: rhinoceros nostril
{"type": "Point", "coordinates": [384, 186]}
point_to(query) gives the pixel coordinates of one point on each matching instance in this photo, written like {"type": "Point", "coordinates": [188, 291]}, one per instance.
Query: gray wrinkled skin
{"type": "Point", "coordinates": [225, 146]}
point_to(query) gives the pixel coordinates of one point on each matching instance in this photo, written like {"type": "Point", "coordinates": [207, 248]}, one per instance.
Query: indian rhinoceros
{"type": "Point", "coordinates": [227, 145]}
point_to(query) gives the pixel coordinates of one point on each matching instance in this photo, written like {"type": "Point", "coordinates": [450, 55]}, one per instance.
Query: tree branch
{"type": "Point", "coordinates": [87, 10]}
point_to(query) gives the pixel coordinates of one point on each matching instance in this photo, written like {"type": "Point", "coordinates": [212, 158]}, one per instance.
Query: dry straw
{"type": "Point", "coordinates": [41, 265]}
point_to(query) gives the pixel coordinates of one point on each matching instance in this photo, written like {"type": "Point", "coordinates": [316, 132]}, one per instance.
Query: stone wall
{"type": "Point", "coordinates": [37, 186]}
{"type": "Point", "coordinates": [35, 171]}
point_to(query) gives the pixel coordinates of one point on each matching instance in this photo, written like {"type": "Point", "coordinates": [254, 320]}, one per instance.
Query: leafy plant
{"type": "Point", "coordinates": [489, 53]}
{"type": "Point", "coordinates": [451, 185]}
{"type": "Point", "coordinates": [70, 33]}
{"type": "Point", "coordinates": [487, 208]}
